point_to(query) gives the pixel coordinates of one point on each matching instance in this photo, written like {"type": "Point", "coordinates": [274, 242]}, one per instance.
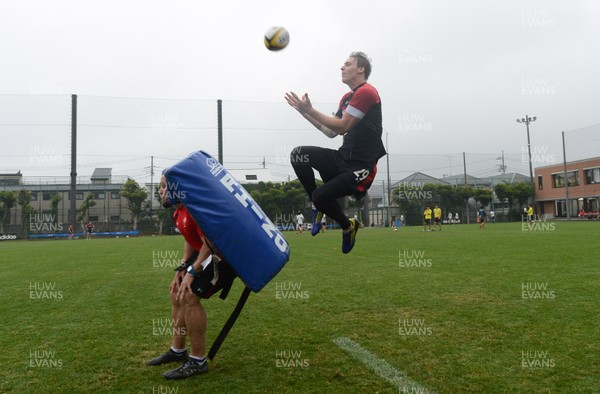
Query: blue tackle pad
{"type": "Point", "coordinates": [229, 218]}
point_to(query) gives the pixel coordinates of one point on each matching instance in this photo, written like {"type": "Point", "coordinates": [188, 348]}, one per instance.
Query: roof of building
{"type": "Point", "coordinates": [420, 179]}
{"type": "Point", "coordinates": [512, 177]}
{"type": "Point", "coordinates": [11, 179]}
{"type": "Point", "coordinates": [101, 174]}
{"type": "Point", "coordinates": [87, 187]}
{"type": "Point", "coordinates": [11, 175]}
{"type": "Point", "coordinates": [561, 164]}
{"type": "Point", "coordinates": [458, 180]}
{"type": "Point", "coordinates": [251, 176]}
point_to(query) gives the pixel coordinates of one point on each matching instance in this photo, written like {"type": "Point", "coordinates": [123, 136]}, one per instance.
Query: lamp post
{"type": "Point", "coordinates": [389, 185]}
{"type": "Point", "coordinates": [528, 120]}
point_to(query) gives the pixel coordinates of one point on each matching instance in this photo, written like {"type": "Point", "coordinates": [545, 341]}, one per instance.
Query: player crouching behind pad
{"type": "Point", "coordinates": [216, 216]}
{"type": "Point", "coordinates": [202, 274]}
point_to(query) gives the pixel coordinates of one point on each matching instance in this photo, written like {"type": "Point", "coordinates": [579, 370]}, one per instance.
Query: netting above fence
{"type": "Point", "coordinates": [134, 136]}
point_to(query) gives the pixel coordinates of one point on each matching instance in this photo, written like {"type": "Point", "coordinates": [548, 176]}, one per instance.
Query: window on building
{"type": "Point", "coordinates": [592, 175]}
{"type": "Point", "coordinates": [573, 178]}
{"type": "Point", "coordinates": [115, 218]}
{"type": "Point", "coordinates": [251, 177]}
{"type": "Point", "coordinates": [34, 196]}
{"type": "Point", "coordinates": [79, 196]}
{"type": "Point", "coordinates": [93, 218]}
{"type": "Point", "coordinates": [540, 183]}
{"type": "Point", "coordinates": [115, 195]}
{"type": "Point", "coordinates": [558, 180]}
{"type": "Point", "coordinates": [99, 196]}
{"type": "Point", "coordinates": [46, 196]}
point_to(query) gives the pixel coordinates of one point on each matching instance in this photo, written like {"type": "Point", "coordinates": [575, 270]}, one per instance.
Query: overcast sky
{"type": "Point", "coordinates": [453, 77]}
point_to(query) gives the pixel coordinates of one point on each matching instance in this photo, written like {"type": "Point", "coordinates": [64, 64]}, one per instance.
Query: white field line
{"type": "Point", "coordinates": [381, 367]}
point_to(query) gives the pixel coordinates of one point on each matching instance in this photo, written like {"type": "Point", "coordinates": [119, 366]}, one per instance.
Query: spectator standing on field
{"type": "Point", "coordinates": [481, 215]}
{"type": "Point", "coordinates": [299, 223]}
{"type": "Point", "coordinates": [437, 218]}
{"type": "Point", "coordinates": [530, 214]}
{"type": "Point", "coordinates": [427, 217]}
{"type": "Point", "coordinates": [89, 229]}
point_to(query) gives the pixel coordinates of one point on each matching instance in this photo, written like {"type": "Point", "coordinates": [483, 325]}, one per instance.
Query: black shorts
{"type": "Point", "coordinates": [216, 276]}
{"type": "Point", "coordinates": [427, 221]}
{"type": "Point", "coordinates": [357, 176]}
{"type": "Point", "coordinates": [437, 220]}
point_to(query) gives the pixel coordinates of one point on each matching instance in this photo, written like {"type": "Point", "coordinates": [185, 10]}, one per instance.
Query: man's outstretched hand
{"type": "Point", "coordinates": [302, 105]}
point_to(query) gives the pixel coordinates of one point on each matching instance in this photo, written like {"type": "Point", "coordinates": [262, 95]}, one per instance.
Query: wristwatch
{"type": "Point", "coordinates": [191, 271]}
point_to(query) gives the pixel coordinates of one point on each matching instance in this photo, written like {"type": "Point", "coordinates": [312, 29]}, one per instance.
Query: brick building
{"type": "Point", "coordinates": [582, 184]}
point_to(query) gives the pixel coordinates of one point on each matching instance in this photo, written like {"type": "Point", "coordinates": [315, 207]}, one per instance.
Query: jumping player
{"type": "Point", "coordinates": [201, 275]}
{"type": "Point", "coordinates": [350, 170]}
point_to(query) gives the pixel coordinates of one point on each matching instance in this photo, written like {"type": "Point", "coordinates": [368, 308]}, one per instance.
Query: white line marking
{"type": "Point", "coordinates": [381, 367]}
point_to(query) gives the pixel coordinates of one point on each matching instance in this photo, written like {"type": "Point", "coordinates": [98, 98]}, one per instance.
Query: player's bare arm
{"type": "Point", "coordinates": [204, 254]}
{"type": "Point", "coordinates": [188, 251]}
{"type": "Point", "coordinates": [319, 119]}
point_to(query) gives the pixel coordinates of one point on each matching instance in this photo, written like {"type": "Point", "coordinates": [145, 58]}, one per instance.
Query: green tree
{"type": "Point", "coordinates": [483, 196]}
{"type": "Point", "coordinates": [24, 200]}
{"type": "Point", "coordinates": [504, 193]}
{"type": "Point", "coordinates": [277, 200]}
{"type": "Point", "coordinates": [518, 193]}
{"type": "Point", "coordinates": [135, 196]}
{"type": "Point", "coordinates": [7, 202]}
{"type": "Point", "coordinates": [84, 209]}
{"type": "Point", "coordinates": [522, 192]}
{"type": "Point", "coordinates": [465, 193]}
{"type": "Point", "coordinates": [55, 199]}
{"type": "Point", "coordinates": [412, 199]}
{"type": "Point", "coordinates": [163, 215]}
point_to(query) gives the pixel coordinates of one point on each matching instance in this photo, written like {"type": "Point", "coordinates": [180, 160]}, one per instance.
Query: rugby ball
{"type": "Point", "coordinates": [277, 38]}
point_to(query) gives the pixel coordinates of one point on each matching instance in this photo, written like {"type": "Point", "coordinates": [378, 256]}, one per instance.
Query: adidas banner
{"type": "Point", "coordinates": [229, 217]}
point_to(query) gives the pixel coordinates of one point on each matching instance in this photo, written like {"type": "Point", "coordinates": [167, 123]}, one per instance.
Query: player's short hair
{"type": "Point", "coordinates": [362, 60]}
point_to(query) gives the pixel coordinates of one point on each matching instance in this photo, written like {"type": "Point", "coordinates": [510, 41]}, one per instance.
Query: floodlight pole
{"type": "Point", "coordinates": [73, 191]}
{"type": "Point", "coordinates": [220, 128]}
{"type": "Point", "coordinates": [389, 185]}
{"type": "Point", "coordinates": [466, 184]}
{"type": "Point", "coordinates": [151, 185]}
{"type": "Point", "coordinates": [528, 120]}
{"type": "Point", "coordinates": [567, 205]}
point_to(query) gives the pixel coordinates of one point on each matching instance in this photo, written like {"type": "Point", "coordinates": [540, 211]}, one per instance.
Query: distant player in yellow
{"type": "Point", "coordinates": [427, 215]}
{"type": "Point", "coordinates": [437, 218]}
{"type": "Point", "coordinates": [530, 214]}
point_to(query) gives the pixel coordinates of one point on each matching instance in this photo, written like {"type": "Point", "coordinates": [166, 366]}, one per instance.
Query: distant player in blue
{"type": "Point", "coordinates": [481, 215]}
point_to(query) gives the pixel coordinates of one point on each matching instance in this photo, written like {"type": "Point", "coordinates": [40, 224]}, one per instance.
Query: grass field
{"type": "Point", "coordinates": [505, 310]}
